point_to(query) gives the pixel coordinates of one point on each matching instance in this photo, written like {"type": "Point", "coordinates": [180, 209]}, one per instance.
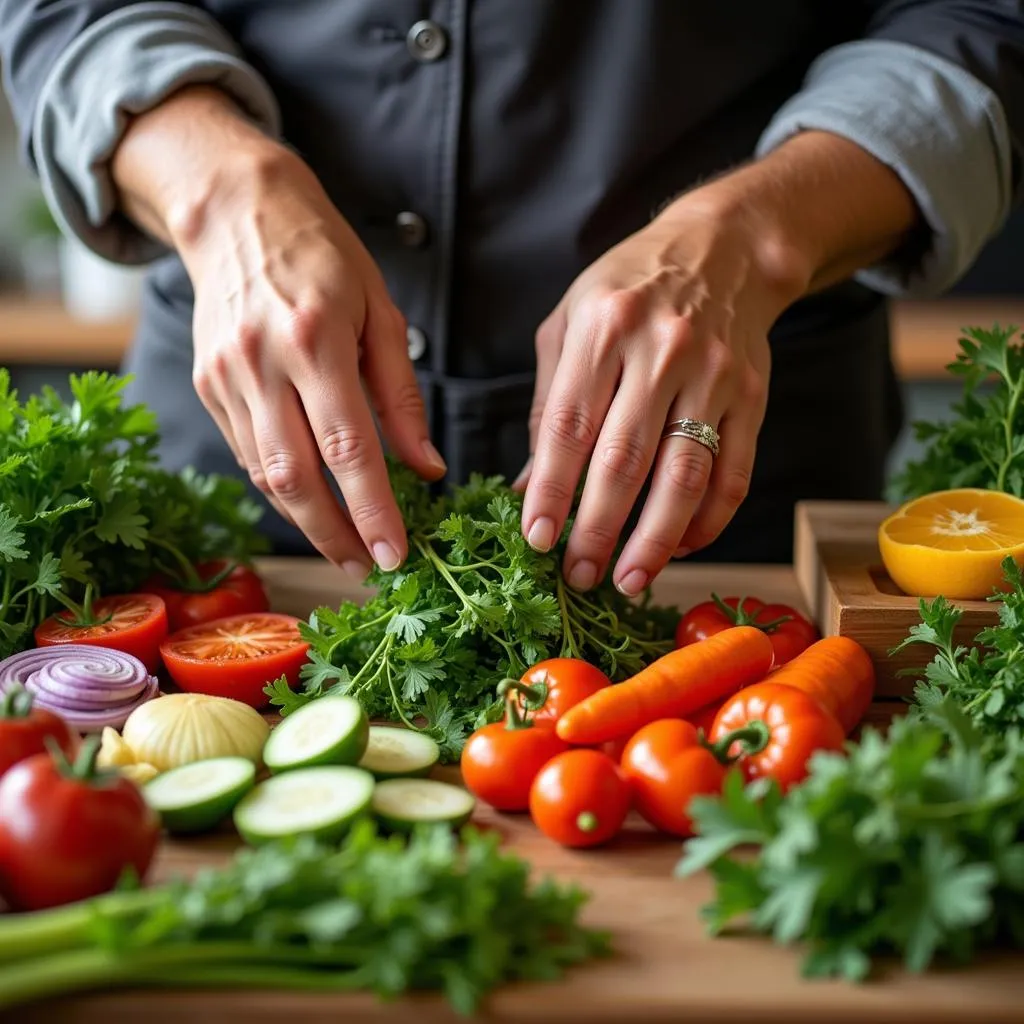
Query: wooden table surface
{"type": "Point", "coordinates": [665, 969]}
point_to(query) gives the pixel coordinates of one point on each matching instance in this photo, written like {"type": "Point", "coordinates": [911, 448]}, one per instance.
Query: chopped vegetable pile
{"type": "Point", "coordinates": [472, 604]}
{"type": "Point", "coordinates": [380, 914]}
{"type": "Point", "coordinates": [83, 503]}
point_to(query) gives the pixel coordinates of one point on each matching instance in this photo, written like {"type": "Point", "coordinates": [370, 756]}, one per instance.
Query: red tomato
{"type": "Point", "coordinates": [133, 623]}
{"type": "Point", "coordinates": [68, 833]}
{"type": "Point", "coordinates": [781, 727]}
{"type": "Point", "coordinates": [23, 730]}
{"type": "Point", "coordinates": [551, 687]}
{"type": "Point", "coordinates": [501, 760]}
{"type": "Point", "coordinates": [788, 630]}
{"type": "Point", "coordinates": [667, 767]}
{"type": "Point", "coordinates": [225, 588]}
{"type": "Point", "coordinates": [237, 656]}
{"type": "Point", "coordinates": [580, 798]}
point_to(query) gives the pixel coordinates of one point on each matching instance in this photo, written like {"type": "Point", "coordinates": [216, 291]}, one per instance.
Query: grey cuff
{"type": "Point", "coordinates": [124, 64]}
{"type": "Point", "coordinates": [938, 127]}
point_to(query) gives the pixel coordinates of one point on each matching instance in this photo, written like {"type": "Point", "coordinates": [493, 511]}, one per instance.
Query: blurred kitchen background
{"type": "Point", "coordinates": [63, 310]}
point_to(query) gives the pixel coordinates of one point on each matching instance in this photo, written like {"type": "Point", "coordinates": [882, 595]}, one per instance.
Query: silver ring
{"type": "Point", "coordinates": [694, 430]}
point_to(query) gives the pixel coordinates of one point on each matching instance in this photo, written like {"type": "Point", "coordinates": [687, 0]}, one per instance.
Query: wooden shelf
{"type": "Point", "coordinates": [924, 334]}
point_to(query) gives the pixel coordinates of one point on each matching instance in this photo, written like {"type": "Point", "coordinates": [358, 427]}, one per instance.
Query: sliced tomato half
{"type": "Point", "coordinates": [236, 656]}
{"type": "Point", "coordinates": [133, 623]}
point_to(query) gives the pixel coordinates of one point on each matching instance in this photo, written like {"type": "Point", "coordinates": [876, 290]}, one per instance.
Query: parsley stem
{"type": "Point", "coordinates": [1008, 421]}
{"type": "Point", "coordinates": [570, 649]}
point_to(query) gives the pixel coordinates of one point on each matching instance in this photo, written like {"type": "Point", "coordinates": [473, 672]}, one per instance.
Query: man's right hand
{"type": "Point", "coordinates": [292, 319]}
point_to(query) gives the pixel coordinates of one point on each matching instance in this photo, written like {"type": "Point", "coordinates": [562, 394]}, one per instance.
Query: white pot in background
{"type": "Point", "coordinates": [95, 289]}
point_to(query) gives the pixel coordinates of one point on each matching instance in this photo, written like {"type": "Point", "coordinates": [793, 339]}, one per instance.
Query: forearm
{"type": "Point", "coordinates": [177, 160]}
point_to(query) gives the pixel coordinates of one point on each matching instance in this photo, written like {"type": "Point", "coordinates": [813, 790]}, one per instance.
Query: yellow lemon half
{"type": "Point", "coordinates": [952, 542]}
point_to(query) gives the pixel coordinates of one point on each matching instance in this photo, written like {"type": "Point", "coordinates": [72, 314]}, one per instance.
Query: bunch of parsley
{"type": "Point", "coordinates": [911, 844]}
{"type": "Point", "coordinates": [473, 603]}
{"type": "Point", "coordinates": [385, 915]}
{"type": "Point", "coordinates": [983, 444]}
{"type": "Point", "coordinates": [84, 504]}
{"type": "Point", "coordinates": [986, 679]}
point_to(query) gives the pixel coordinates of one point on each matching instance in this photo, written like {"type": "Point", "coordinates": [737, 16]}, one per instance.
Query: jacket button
{"type": "Point", "coordinates": [416, 341]}
{"type": "Point", "coordinates": [427, 41]}
{"type": "Point", "coordinates": [412, 229]}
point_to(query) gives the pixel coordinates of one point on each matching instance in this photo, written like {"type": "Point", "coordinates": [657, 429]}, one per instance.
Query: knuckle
{"type": "Point", "coordinates": [218, 367]}
{"type": "Point", "coordinates": [734, 486]}
{"type": "Point", "coordinates": [721, 361]}
{"type": "Point", "coordinates": [688, 472]}
{"type": "Point", "coordinates": [657, 545]}
{"type": "Point", "coordinates": [572, 426]}
{"type": "Point", "coordinates": [344, 450]}
{"type": "Point", "coordinates": [407, 400]}
{"type": "Point", "coordinates": [304, 327]}
{"type": "Point", "coordinates": [247, 344]}
{"type": "Point", "coordinates": [257, 476]}
{"type": "Point", "coordinates": [627, 459]}
{"type": "Point", "coordinates": [593, 536]}
{"type": "Point", "coordinates": [365, 510]}
{"type": "Point", "coordinates": [617, 312]}
{"type": "Point", "coordinates": [203, 385]}
{"type": "Point", "coordinates": [283, 476]}
{"type": "Point", "coordinates": [551, 490]}
{"type": "Point", "coordinates": [755, 389]}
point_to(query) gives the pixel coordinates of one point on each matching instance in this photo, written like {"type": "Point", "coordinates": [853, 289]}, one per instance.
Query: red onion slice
{"type": "Point", "coordinates": [89, 687]}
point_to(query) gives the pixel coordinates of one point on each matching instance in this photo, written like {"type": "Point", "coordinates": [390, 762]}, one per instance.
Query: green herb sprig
{"type": "Point", "coordinates": [986, 679]}
{"type": "Point", "coordinates": [982, 445]}
{"type": "Point", "coordinates": [83, 503]}
{"type": "Point", "coordinates": [912, 844]}
{"type": "Point", "coordinates": [378, 914]}
{"type": "Point", "coordinates": [473, 604]}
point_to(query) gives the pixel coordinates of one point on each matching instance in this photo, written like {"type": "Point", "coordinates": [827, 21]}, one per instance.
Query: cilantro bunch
{"type": "Point", "coordinates": [379, 914]}
{"type": "Point", "coordinates": [84, 504]}
{"type": "Point", "coordinates": [473, 603]}
{"type": "Point", "coordinates": [986, 679]}
{"type": "Point", "coordinates": [983, 444]}
{"type": "Point", "coordinates": [912, 844]}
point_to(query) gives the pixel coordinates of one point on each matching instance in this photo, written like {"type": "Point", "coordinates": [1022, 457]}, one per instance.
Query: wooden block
{"type": "Point", "coordinates": [849, 593]}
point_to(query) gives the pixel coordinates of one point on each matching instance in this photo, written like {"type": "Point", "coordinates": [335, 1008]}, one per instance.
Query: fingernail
{"type": "Point", "coordinates": [633, 582]}
{"type": "Point", "coordinates": [356, 570]}
{"type": "Point", "coordinates": [542, 534]}
{"type": "Point", "coordinates": [433, 456]}
{"type": "Point", "coordinates": [386, 556]}
{"type": "Point", "coordinates": [583, 575]}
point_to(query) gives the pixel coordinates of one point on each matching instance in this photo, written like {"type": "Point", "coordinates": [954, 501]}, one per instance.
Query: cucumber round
{"type": "Point", "coordinates": [401, 804]}
{"type": "Point", "coordinates": [395, 752]}
{"type": "Point", "coordinates": [331, 730]}
{"type": "Point", "coordinates": [196, 797]}
{"type": "Point", "coordinates": [322, 801]}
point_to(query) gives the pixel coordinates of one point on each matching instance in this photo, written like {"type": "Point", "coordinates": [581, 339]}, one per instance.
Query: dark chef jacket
{"type": "Point", "coordinates": [487, 152]}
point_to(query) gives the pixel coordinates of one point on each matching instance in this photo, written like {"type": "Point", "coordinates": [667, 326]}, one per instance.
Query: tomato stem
{"type": "Point", "coordinates": [83, 768]}
{"type": "Point", "coordinates": [534, 695]}
{"type": "Point", "coordinates": [738, 617]}
{"type": "Point", "coordinates": [752, 737]}
{"type": "Point", "coordinates": [586, 821]}
{"type": "Point", "coordinates": [82, 614]}
{"type": "Point", "coordinates": [515, 717]}
{"type": "Point", "coordinates": [17, 703]}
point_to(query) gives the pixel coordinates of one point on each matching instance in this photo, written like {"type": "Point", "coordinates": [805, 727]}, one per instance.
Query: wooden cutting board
{"type": "Point", "coordinates": [848, 592]}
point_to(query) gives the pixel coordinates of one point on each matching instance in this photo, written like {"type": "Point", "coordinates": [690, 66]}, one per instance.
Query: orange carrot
{"type": "Point", "coordinates": [677, 684]}
{"type": "Point", "coordinates": [838, 672]}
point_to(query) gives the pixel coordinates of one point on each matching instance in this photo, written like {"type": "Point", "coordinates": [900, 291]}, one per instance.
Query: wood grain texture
{"type": "Point", "coordinates": [665, 967]}
{"type": "Point", "coordinates": [847, 590]}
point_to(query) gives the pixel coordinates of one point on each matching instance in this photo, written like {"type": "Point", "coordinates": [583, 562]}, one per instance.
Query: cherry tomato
{"type": "Point", "coordinates": [68, 833]}
{"type": "Point", "coordinates": [133, 623]}
{"type": "Point", "coordinates": [223, 588]}
{"type": "Point", "coordinates": [580, 798]}
{"type": "Point", "coordinates": [703, 718]}
{"type": "Point", "coordinates": [501, 760]}
{"type": "Point", "coordinates": [667, 767]}
{"type": "Point", "coordinates": [236, 656]}
{"type": "Point", "coordinates": [789, 631]}
{"type": "Point", "coordinates": [551, 687]}
{"type": "Point", "coordinates": [24, 728]}
{"type": "Point", "coordinates": [782, 728]}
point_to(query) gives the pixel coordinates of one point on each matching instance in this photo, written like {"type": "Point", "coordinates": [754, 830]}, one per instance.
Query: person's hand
{"type": "Point", "coordinates": [292, 319]}
{"type": "Point", "coordinates": [670, 324]}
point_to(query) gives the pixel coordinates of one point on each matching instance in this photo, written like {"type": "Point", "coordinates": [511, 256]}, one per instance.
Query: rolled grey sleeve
{"type": "Point", "coordinates": [938, 127]}
{"type": "Point", "coordinates": [124, 64]}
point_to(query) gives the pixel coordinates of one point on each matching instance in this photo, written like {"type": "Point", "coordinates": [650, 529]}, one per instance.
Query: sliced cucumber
{"type": "Point", "coordinates": [396, 752]}
{"type": "Point", "coordinates": [197, 796]}
{"type": "Point", "coordinates": [401, 804]}
{"type": "Point", "coordinates": [321, 801]}
{"type": "Point", "coordinates": [331, 730]}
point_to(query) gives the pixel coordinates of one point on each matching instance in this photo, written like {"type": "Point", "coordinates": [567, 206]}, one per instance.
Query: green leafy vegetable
{"type": "Point", "coordinates": [472, 604]}
{"type": "Point", "coordinates": [985, 679]}
{"type": "Point", "coordinates": [84, 503]}
{"type": "Point", "coordinates": [380, 914]}
{"type": "Point", "coordinates": [911, 844]}
{"type": "Point", "coordinates": [983, 445]}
